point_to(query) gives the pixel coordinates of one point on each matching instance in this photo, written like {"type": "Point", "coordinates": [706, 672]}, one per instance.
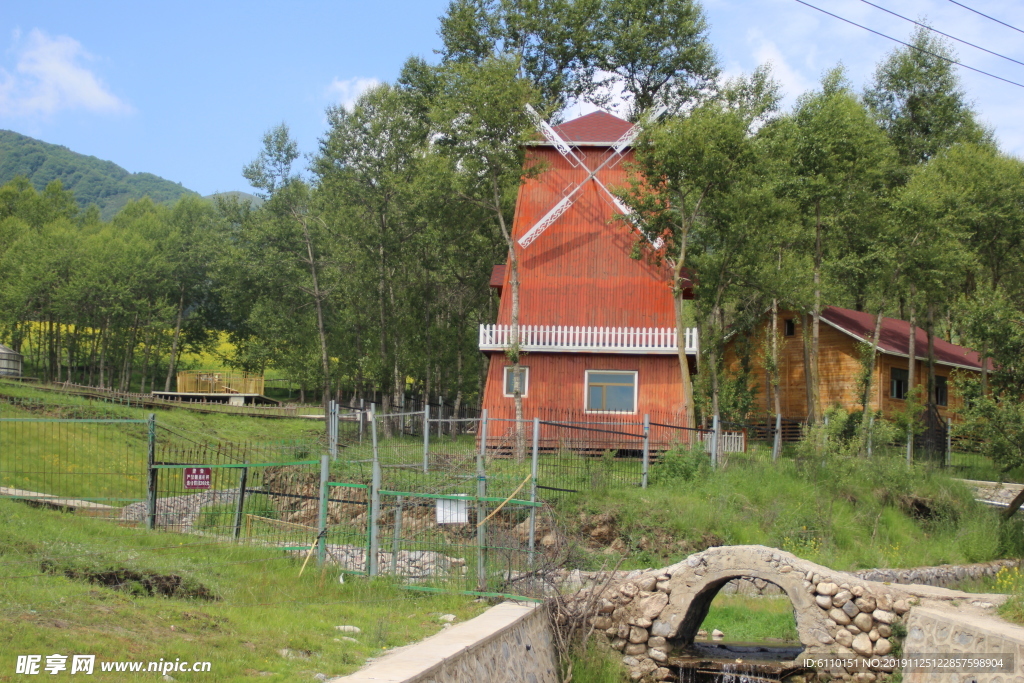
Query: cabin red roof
{"type": "Point", "coordinates": [598, 126]}
{"type": "Point", "coordinates": [498, 276]}
{"type": "Point", "coordinates": [895, 337]}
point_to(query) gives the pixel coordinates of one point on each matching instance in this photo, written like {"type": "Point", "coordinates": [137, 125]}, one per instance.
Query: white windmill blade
{"type": "Point", "coordinates": [553, 137]}
{"type": "Point", "coordinates": [630, 136]}
{"type": "Point", "coordinates": [549, 218]}
{"type": "Point", "coordinates": [657, 243]}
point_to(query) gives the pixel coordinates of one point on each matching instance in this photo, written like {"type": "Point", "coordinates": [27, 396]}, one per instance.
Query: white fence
{"type": "Point", "coordinates": [567, 338]}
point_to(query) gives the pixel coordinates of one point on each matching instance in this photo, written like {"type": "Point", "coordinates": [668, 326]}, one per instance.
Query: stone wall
{"type": "Point", "coordinates": [644, 616]}
{"type": "Point", "coordinates": [510, 643]}
{"type": "Point", "coordinates": [937, 632]}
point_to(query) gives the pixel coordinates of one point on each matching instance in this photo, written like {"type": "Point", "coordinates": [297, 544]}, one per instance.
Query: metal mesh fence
{"type": "Point", "coordinates": [94, 466]}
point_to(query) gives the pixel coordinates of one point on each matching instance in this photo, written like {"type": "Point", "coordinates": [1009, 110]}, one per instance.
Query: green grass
{"type": "Point", "coordinates": [108, 461]}
{"type": "Point", "coordinates": [262, 605]}
{"type": "Point", "coordinates": [593, 663]}
{"type": "Point", "coordinates": [748, 618]}
{"type": "Point", "coordinates": [843, 513]}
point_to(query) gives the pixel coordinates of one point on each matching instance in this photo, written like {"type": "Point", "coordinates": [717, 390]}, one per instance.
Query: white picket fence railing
{"type": "Point", "coordinates": [730, 442]}
{"type": "Point", "coordinates": [567, 338]}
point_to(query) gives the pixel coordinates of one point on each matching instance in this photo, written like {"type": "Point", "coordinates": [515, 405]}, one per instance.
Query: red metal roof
{"type": "Point", "coordinates": [597, 126]}
{"type": "Point", "coordinates": [895, 337]}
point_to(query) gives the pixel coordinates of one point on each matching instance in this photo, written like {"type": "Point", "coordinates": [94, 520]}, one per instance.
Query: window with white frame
{"type": "Point", "coordinates": [524, 380]}
{"type": "Point", "coordinates": [611, 391]}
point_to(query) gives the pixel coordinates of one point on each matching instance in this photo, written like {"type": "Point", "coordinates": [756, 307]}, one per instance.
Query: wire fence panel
{"type": "Point", "coordinates": [259, 494]}
{"type": "Point", "coordinates": [93, 466]}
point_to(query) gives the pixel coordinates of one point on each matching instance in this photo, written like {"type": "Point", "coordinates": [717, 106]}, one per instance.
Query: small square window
{"type": "Point", "coordinates": [524, 380]}
{"type": "Point", "coordinates": [898, 379]}
{"type": "Point", "coordinates": [941, 391]}
{"type": "Point", "coordinates": [611, 391]}
{"type": "Point", "coordinates": [790, 327]}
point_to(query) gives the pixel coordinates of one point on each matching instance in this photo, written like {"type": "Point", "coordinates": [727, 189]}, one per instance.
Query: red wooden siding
{"type": "Point", "coordinates": [579, 271]}
{"type": "Point", "coordinates": [558, 381]}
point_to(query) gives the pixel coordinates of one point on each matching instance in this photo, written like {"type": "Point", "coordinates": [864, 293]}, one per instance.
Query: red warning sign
{"type": "Point", "coordinates": [197, 477]}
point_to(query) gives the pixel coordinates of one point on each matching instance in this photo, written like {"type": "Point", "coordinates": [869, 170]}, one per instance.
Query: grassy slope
{"type": "Point", "coordinates": [264, 605]}
{"type": "Point", "coordinates": [109, 461]}
{"type": "Point", "coordinates": [843, 513]}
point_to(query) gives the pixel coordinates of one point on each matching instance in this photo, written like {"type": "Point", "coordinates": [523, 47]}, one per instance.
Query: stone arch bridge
{"type": "Point", "coordinates": [645, 614]}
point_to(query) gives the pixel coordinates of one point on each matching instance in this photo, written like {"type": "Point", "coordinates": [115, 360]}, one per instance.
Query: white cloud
{"type": "Point", "coordinates": [766, 51]}
{"type": "Point", "coordinates": [346, 92]}
{"type": "Point", "coordinates": [49, 76]}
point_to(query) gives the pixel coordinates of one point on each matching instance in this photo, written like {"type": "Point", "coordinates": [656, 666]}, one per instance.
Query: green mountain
{"type": "Point", "coordinates": [236, 195]}
{"type": "Point", "coordinates": [93, 180]}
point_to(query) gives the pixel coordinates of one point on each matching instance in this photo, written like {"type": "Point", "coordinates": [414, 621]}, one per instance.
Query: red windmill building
{"type": "Point", "coordinates": [597, 327]}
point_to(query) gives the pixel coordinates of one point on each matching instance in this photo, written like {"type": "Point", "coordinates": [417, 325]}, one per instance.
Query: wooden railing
{"type": "Point", "coordinates": [567, 338]}
{"type": "Point", "coordinates": [209, 382]}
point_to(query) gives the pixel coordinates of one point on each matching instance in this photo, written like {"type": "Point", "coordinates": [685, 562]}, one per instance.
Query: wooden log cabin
{"type": "Point", "coordinates": [841, 332]}
{"type": "Point", "coordinates": [598, 327]}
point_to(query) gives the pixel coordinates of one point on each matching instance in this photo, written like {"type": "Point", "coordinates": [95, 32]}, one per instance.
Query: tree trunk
{"type": "Point", "coordinates": [681, 326]}
{"type": "Point", "coordinates": [805, 333]}
{"type": "Point", "coordinates": [869, 388]}
{"type": "Point", "coordinates": [911, 368]}
{"type": "Point", "coordinates": [318, 300]}
{"type": "Point", "coordinates": [513, 349]}
{"type": "Point", "coordinates": [775, 379]}
{"type": "Point", "coordinates": [815, 412]}
{"type": "Point", "coordinates": [172, 360]}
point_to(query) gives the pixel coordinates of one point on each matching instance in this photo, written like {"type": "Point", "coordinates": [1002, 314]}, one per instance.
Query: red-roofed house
{"type": "Point", "coordinates": [597, 326]}
{"type": "Point", "coordinates": [839, 364]}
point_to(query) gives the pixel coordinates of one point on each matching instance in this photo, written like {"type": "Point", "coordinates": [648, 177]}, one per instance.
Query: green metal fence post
{"type": "Point", "coordinates": [371, 560]}
{"type": "Point", "coordinates": [481, 492]}
{"type": "Point", "coordinates": [397, 542]}
{"type": "Point", "coordinates": [949, 442]}
{"type": "Point", "coordinates": [647, 450]}
{"type": "Point", "coordinates": [533, 490]}
{"type": "Point", "coordinates": [426, 436]}
{"type": "Point", "coordinates": [151, 460]}
{"type": "Point", "coordinates": [243, 478]}
{"type": "Point", "coordinates": [321, 527]}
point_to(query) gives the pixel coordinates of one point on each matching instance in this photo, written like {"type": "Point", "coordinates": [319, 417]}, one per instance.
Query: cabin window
{"type": "Point", "coordinates": [524, 380]}
{"type": "Point", "coordinates": [790, 327]}
{"type": "Point", "coordinates": [611, 391]}
{"type": "Point", "coordinates": [941, 391]}
{"type": "Point", "coordinates": [898, 385]}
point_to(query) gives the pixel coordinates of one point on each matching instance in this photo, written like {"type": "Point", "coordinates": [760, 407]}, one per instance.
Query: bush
{"type": "Point", "coordinates": [680, 464]}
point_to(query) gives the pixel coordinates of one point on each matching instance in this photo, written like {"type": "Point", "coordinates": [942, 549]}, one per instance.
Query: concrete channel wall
{"type": "Point", "coordinates": [510, 643]}
{"type": "Point", "coordinates": [934, 634]}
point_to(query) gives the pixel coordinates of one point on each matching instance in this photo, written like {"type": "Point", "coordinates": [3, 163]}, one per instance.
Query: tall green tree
{"type": "Point", "coordinates": [691, 171]}
{"type": "Point", "coordinates": [840, 169]}
{"type": "Point", "coordinates": [292, 234]}
{"type": "Point", "coordinates": [481, 117]}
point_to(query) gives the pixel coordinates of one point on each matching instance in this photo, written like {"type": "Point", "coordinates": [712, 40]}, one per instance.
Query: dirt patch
{"type": "Point", "coordinates": [141, 583]}
{"type": "Point", "coordinates": [918, 508]}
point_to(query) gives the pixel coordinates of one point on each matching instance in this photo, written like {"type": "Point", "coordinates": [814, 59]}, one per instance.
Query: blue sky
{"type": "Point", "coordinates": [187, 90]}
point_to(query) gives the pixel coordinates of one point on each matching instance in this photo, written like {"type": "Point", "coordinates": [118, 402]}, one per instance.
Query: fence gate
{"type": "Point", "coordinates": [258, 494]}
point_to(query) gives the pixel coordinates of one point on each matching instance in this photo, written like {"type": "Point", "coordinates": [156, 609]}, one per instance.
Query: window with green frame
{"type": "Point", "coordinates": [611, 391]}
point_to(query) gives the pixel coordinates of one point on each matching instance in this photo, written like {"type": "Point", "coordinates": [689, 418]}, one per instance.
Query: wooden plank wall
{"type": "Point", "coordinates": [557, 382]}
{"type": "Point", "coordinates": [839, 367]}
{"type": "Point", "coordinates": [580, 270]}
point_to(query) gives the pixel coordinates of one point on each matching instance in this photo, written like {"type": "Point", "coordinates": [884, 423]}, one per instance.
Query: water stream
{"type": "Point", "coordinates": [718, 661]}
